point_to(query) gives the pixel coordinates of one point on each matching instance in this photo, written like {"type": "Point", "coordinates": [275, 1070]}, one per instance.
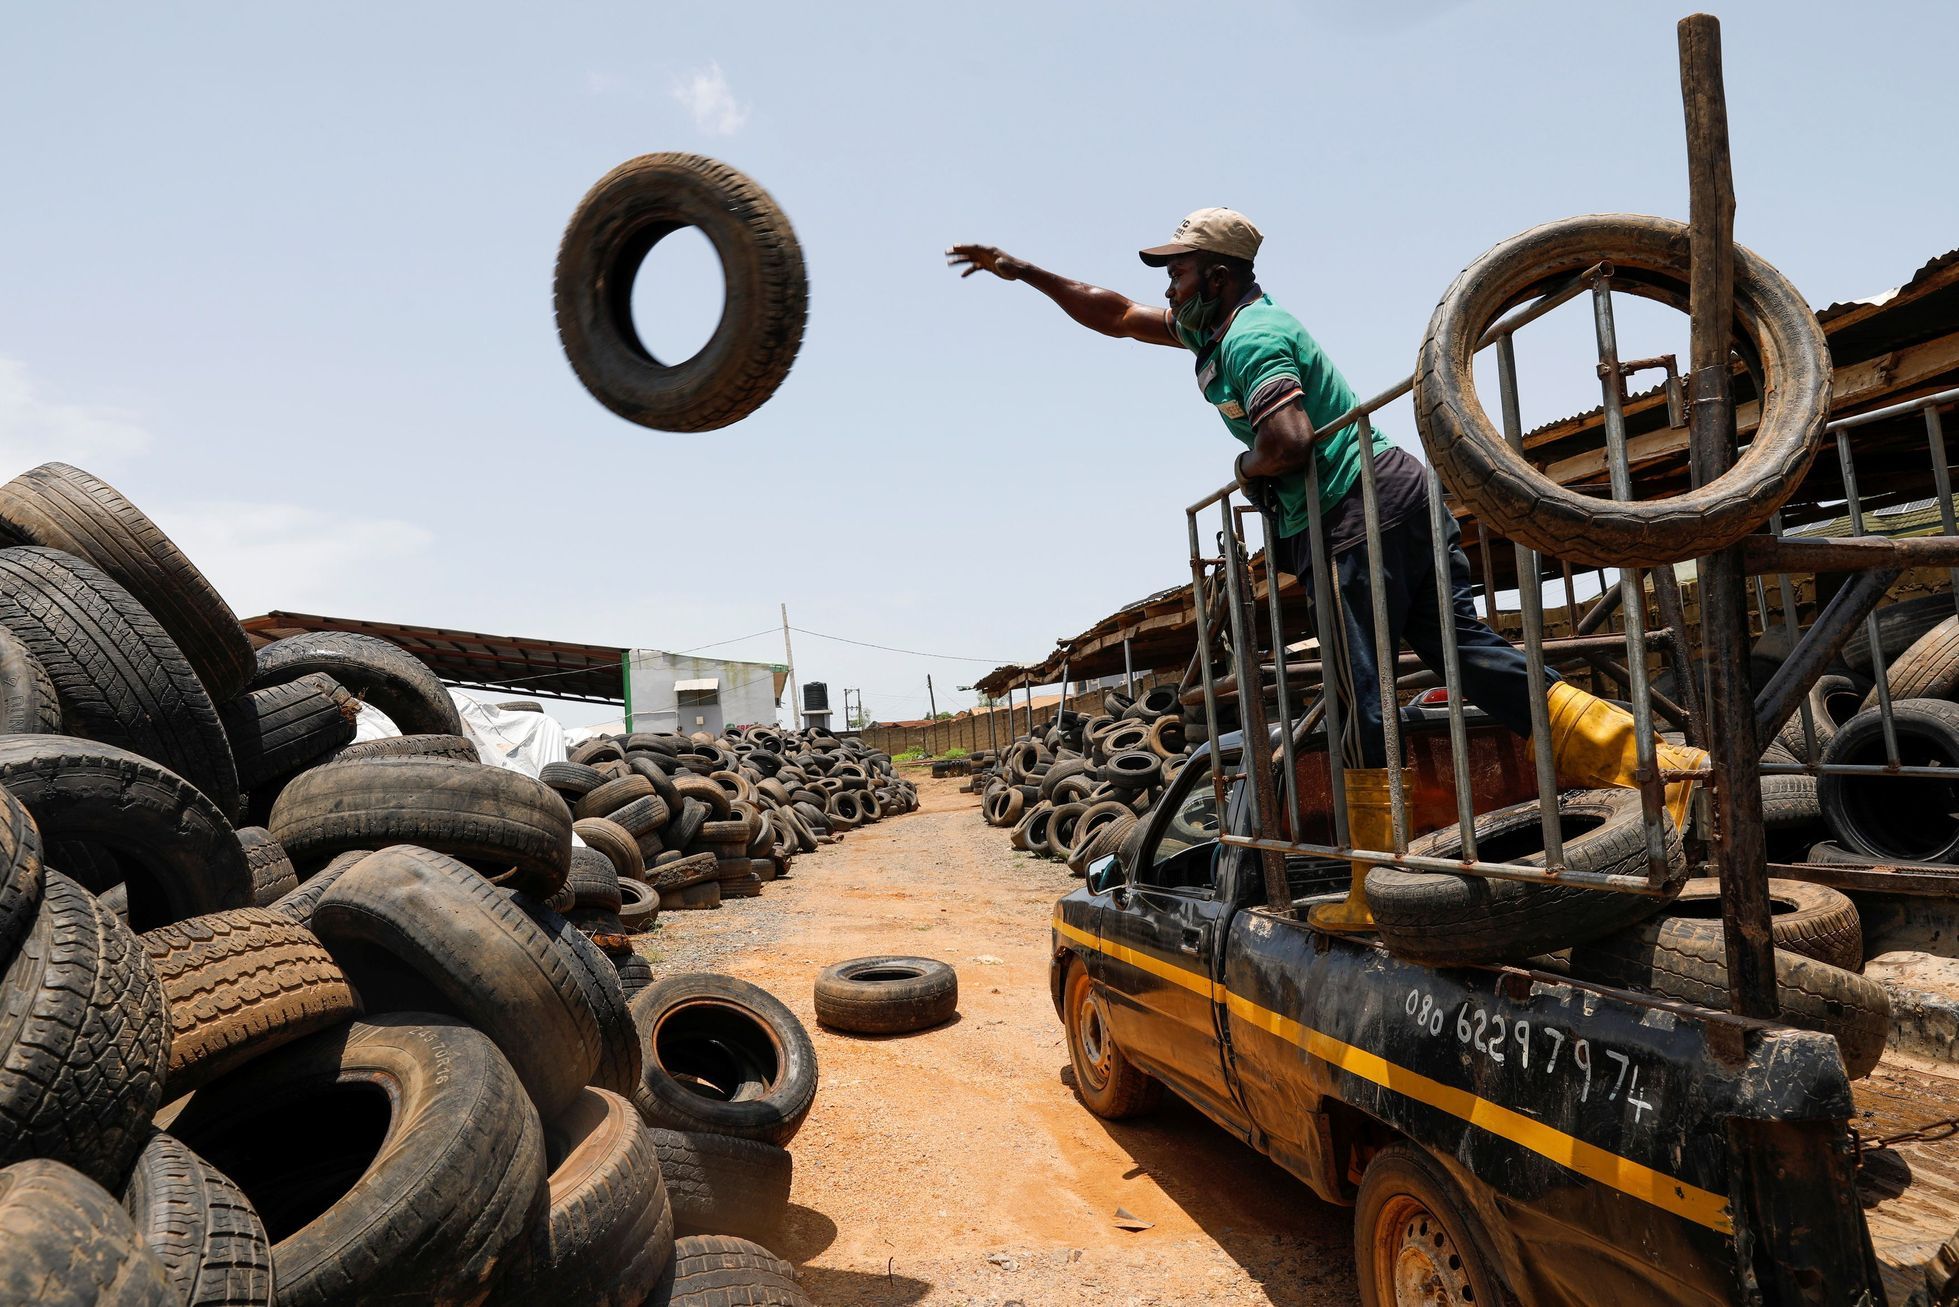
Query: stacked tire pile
{"type": "Point", "coordinates": [391, 1067]}
{"type": "Point", "coordinates": [1075, 791]}
{"type": "Point", "coordinates": [689, 821]}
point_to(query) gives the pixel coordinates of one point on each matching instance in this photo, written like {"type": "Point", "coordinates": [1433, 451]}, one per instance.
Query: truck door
{"type": "Point", "coordinates": [1168, 923]}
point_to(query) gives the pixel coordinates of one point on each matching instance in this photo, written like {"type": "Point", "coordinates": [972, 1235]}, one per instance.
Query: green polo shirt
{"type": "Point", "coordinates": [1266, 359]}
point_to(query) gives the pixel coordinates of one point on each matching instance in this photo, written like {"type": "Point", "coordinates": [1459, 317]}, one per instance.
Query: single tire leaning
{"type": "Point", "coordinates": [391, 1159]}
{"type": "Point", "coordinates": [415, 931]}
{"type": "Point", "coordinates": [502, 820]}
{"type": "Point", "coordinates": [237, 985]}
{"type": "Point", "coordinates": [65, 508]}
{"type": "Point", "coordinates": [273, 875]}
{"type": "Point", "coordinates": [886, 995]}
{"type": "Point", "coordinates": [28, 703]}
{"type": "Point", "coordinates": [1443, 919]}
{"type": "Point", "coordinates": [723, 1056]}
{"type": "Point", "coordinates": [611, 232]}
{"type": "Point", "coordinates": [722, 1185]}
{"type": "Point", "coordinates": [83, 1039]}
{"type": "Point", "coordinates": [120, 678]}
{"type": "Point", "coordinates": [65, 1243]}
{"type": "Point", "coordinates": [609, 1235]}
{"type": "Point", "coordinates": [1896, 818]}
{"type": "Point", "coordinates": [411, 746]}
{"type": "Point", "coordinates": [281, 729]}
{"type": "Point", "coordinates": [177, 851]}
{"type": "Point", "coordinates": [203, 1228]}
{"type": "Point", "coordinates": [1812, 920]}
{"type": "Point", "coordinates": [384, 674]}
{"type": "Point", "coordinates": [1650, 257]}
{"type": "Point", "coordinates": [1833, 700]}
{"type": "Point", "coordinates": [1899, 626]}
{"type": "Point", "coordinates": [714, 1271]}
{"type": "Point", "coordinates": [1680, 958]}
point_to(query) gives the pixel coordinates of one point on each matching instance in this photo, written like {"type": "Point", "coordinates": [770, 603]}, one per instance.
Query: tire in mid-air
{"type": "Point", "coordinates": [631, 209]}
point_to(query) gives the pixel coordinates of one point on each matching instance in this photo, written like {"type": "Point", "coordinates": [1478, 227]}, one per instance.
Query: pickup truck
{"type": "Point", "coordinates": [1504, 1134]}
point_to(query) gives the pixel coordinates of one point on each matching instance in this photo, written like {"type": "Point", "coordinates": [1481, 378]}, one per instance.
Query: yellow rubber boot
{"type": "Point", "coordinates": [1370, 825]}
{"type": "Point", "coordinates": [1595, 745]}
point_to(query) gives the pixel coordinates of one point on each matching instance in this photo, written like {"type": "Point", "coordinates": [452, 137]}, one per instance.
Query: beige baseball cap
{"type": "Point", "coordinates": [1215, 231]}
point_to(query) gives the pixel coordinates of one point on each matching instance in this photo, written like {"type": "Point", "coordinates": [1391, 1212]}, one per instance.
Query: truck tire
{"type": "Point", "coordinates": [1929, 669]}
{"type": "Point", "coordinates": [83, 1039]}
{"type": "Point", "coordinates": [415, 931]}
{"type": "Point", "coordinates": [886, 995]}
{"type": "Point", "coordinates": [1108, 1084]}
{"type": "Point", "coordinates": [28, 703]}
{"type": "Point", "coordinates": [237, 985]}
{"type": "Point", "coordinates": [384, 674]}
{"type": "Point", "coordinates": [611, 232]}
{"type": "Point", "coordinates": [1681, 958]}
{"type": "Point", "coordinates": [200, 1225]}
{"type": "Point", "coordinates": [65, 1243]}
{"type": "Point", "coordinates": [1650, 255]}
{"type": "Point", "coordinates": [1812, 920]}
{"type": "Point", "coordinates": [608, 1237]}
{"type": "Point", "coordinates": [1412, 1225]}
{"type": "Point", "coordinates": [503, 820]}
{"type": "Point", "coordinates": [412, 746]}
{"type": "Point", "coordinates": [120, 678]}
{"type": "Point", "coordinates": [722, 1185]}
{"type": "Point", "coordinates": [392, 1159]}
{"type": "Point", "coordinates": [1900, 625]}
{"type": "Point", "coordinates": [1443, 919]}
{"type": "Point", "coordinates": [712, 1271]}
{"type": "Point", "coordinates": [65, 508]}
{"type": "Point", "coordinates": [724, 1057]}
{"type": "Point", "coordinates": [1896, 818]}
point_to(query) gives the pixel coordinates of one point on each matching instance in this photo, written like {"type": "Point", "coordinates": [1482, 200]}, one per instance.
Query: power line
{"type": "Point", "coordinates": [916, 653]}
{"type": "Point", "coordinates": [718, 643]}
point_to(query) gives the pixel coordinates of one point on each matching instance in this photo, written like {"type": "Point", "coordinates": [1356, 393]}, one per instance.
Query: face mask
{"type": "Point", "coordinates": [1195, 315]}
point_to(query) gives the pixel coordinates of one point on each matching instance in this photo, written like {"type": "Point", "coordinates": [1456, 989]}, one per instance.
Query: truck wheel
{"type": "Point", "coordinates": [1104, 1079]}
{"type": "Point", "coordinates": [1415, 1241]}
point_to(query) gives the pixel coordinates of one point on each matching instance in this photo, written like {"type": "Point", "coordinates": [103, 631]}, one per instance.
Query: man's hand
{"type": "Point", "coordinates": [1261, 492]}
{"type": "Point", "coordinates": [970, 259]}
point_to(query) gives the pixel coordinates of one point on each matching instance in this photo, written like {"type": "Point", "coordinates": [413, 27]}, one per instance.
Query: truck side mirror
{"type": "Point", "coordinates": [1104, 874]}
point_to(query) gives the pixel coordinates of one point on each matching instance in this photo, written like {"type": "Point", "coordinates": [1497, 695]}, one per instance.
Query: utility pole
{"type": "Point", "coordinates": [789, 656]}
{"type": "Point", "coordinates": [931, 698]}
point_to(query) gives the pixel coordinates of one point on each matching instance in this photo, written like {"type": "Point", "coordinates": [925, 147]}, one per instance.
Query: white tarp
{"type": "Point", "coordinates": [521, 741]}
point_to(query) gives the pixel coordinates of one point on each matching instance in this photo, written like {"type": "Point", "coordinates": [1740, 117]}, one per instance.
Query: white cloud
{"type": "Point", "coordinates": [35, 429]}
{"type": "Point", "coordinates": [705, 95]}
{"type": "Point", "coordinates": [273, 555]}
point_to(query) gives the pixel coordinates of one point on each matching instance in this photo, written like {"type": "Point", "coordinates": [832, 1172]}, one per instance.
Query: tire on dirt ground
{"type": "Point", "coordinates": [1896, 818]}
{"type": "Point", "coordinates": [609, 1234]}
{"type": "Point", "coordinates": [384, 674]}
{"type": "Point", "coordinates": [722, 1185]}
{"type": "Point", "coordinates": [1444, 919]}
{"type": "Point", "coordinates": [65, 508]}
{"type": "Point", "coordinates": [611, 232]}
{"type": "Point", "coordinates": [1412, 1225]}
{"type": "Point", "coordinates": [502, 820]}
{"type": "Point", "coordinates": [1813, 920]}
{"type": "Point", "coordinates": [239, 984]}
{"type": "Point", "coordinates": [1107, 1082]}
{"type": "Point", "coordinates": [886, 995]}
{"type": "Point", "coordinates": [119, 677]}
{"type": "Point", "coordinates": [65, 1243]}
{"type": "Point", "coordinates": [396, 1157]}
{"type": "Point", "coordinates": [416, 931]}
{"type": "Point", "coordinates": [1680, 958]}
{"type": "Point", "coordinates": [179, 854]}
{"type": "Point", "coordinates": [723, 1056]}
{"type": "Point", "coordinates": [712, 1271]}
{"type": "Point", "coordinates": [82, 1066]}
{"type": "Point", "coordinates": [212, 1244]}
{"type": "Point", "coordinates": [1650, 255]}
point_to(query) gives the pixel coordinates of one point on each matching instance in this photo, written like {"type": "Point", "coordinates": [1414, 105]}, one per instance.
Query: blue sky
{"type": "Point", "coordinates": [283, 273]}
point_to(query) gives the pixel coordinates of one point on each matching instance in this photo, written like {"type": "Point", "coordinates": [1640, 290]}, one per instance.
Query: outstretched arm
{"type": "Point", "coordinates": [1101, 310]}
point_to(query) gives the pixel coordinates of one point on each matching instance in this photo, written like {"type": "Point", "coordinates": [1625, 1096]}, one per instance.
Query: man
{"type": "Point", "coordinates": [1278, 393]}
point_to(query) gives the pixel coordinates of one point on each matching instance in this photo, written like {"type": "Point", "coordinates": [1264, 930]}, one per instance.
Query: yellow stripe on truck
{"type": "Point", "coordinates": [1701, 1206]}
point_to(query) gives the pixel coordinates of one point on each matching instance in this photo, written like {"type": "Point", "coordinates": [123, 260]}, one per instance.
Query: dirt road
{"type": "Point", "coordinates": [956, 1165]}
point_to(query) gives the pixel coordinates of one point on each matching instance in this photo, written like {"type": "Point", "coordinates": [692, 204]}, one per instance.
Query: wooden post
{"type": "Point", "coordinates": [1739, 845]}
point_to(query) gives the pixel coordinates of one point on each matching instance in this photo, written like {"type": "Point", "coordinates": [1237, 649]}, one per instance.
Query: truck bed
{"type": "Point", "coordinates": [1910, 1192]}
